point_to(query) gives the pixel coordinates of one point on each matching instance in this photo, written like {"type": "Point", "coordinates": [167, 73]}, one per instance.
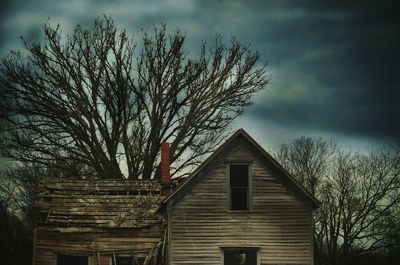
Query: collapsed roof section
{"type": "Point", "coordinates": [99, 203]}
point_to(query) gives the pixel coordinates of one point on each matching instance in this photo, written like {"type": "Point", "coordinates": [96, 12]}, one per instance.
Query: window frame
{"type": "Point", "coordinates": [257, 249]}
{"type": "Point", "coordinates": [250, 186]}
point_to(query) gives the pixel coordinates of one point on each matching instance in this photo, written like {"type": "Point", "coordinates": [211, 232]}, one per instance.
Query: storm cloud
{"type": "Point", "coordinates": [334, 64]}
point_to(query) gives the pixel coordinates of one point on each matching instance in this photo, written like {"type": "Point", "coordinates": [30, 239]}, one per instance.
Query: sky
{"type": "Point", "coordinates": [334, 65]}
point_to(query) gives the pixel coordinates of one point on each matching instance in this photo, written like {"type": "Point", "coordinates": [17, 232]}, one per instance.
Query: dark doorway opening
{"type": "Point", "coordinates": [240, 257]}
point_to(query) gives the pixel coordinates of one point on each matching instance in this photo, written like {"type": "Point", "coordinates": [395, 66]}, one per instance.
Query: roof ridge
{"type": "Point", "coordinates": [259, 148]}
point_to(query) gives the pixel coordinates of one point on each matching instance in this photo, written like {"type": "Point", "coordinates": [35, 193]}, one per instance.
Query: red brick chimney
{"type": "Point", "coordinates": [165, 169]}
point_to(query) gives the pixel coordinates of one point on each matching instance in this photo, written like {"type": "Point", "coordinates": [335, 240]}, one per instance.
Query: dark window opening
{"type": "Point", "coordinates": [239, 187]}
{"type": "Point", "coordinates": [240, 257]}
{"type": "Point", "coordinates": [71, 260]}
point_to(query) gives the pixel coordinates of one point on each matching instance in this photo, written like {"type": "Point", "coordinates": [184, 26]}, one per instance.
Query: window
{"type": "Point", "coordinates": [245, 256]}
{"type": "Point", "coordinates": [71, 260]}
{"type": "Point", "coordinates": [239, 187]}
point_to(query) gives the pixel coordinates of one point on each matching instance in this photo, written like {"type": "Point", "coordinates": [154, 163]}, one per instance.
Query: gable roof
{"type": "Point", "coordinates": [99, 203]}
{"type": "Point", "coordinates": [242, 134]}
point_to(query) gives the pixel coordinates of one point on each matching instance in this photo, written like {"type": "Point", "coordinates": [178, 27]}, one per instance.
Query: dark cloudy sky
{"type": "Point", "coordinates": [335, 65]}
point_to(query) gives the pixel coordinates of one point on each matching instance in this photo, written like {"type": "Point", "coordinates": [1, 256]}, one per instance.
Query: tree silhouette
{"type": "Point", "coordinates": [94, 103]}
{"type": "Point", "coordinates": [359, 195]}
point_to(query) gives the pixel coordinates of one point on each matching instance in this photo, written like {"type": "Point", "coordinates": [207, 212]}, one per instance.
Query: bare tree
{"type": "Point", "coordinates": [92, 104]}
{"type": "Point", "coordinates": [307, 159]}
{"type": "Point", "coordinates": [17, 216]}
{"type": "Point", "coordinates": [19, 188]}
{"type": "Point", "coordinates": [360, 197]}
{"type": "Point", "coordinates": [359, 194]}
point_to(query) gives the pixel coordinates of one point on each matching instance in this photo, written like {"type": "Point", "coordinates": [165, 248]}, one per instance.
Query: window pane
{"type": "Point", "coordinates": [239, 175]}
{"type": "Point", "coordinates": [239, 199]}
{"type": "Point", "coordinates": [71, 260]}
{"type": "Point", "coordinates": [240, 257]}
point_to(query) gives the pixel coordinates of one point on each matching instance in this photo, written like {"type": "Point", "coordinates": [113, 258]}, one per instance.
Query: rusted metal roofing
{"type": "Point", "coordinates": [99, 203]}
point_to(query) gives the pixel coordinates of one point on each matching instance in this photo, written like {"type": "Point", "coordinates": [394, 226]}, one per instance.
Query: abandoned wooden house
{"type": "Point", "coordinates": [238, 207]}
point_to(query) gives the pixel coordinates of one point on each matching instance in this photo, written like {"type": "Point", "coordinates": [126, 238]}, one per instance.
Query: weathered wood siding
{"type": "Point", "coordinates": [138, 243]}
{"type": "Point", "coordinates": [279, 223]}
{"type": "Point", "coordinates": [97, 219]}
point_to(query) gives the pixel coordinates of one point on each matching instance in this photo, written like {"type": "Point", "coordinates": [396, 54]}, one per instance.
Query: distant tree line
{"type": "Point", "coordinates": [359, 214]}
{"type": "Point", "coordinates": [18, 188]}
